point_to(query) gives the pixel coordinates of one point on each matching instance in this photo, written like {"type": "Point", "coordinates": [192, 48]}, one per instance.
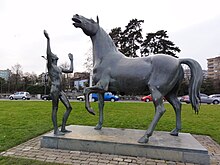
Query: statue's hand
{"type": "Point", "coordinates": [70, 56]}
{"type": "Point", "coordinates": [46, 34]}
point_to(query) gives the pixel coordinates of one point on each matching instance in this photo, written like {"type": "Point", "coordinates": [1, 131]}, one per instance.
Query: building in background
{"type": "Point", "coordinates": [214, 67]}
{"type": "Point", "coordinates": [80, 80]}
{"type": "Point", "coordinates": [81, 75]}
{"type": "Point", "coordinates": [5, 74]}
{"type": "Point", "coordinates": [187, 74]}
{"type": "Point", "coordinates": [214, 71]}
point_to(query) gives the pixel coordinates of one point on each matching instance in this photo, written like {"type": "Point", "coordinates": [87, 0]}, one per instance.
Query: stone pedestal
{"type": "Point", "coordinates": [184, 148]}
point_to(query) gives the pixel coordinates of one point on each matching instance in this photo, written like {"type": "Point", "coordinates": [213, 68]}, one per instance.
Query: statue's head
{"type": "Point", "coordinates": [89, 26]}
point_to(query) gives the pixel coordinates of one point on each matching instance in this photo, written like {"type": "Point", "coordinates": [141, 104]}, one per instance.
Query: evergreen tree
{"type": "Point", "coordinates": [116, 35]}
{"type": "Point", "coordinates": [128, 41]}
{"type": "Point", "coordinates": [158, 43]}
{"type": "Point", "coordinates": [132, 38]}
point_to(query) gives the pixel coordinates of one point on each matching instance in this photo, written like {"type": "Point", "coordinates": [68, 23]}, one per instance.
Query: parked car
{"type": "Point", "coordinates": [108, 96]}
{"type": "Point", "coordinates": [20, 95]}
{"type": "Point", "coordinates": [46, 97]}
{"type": "Point", "coordinates": [204, 99]}
{"type": "Point", "coordinates": [80, 98]}
{"type": "Point", "coordinates": [215, 96]}
{"type": "Point", "coordinates": [146, 98]}
{"type": "Point", "coordinates": [149, 98]}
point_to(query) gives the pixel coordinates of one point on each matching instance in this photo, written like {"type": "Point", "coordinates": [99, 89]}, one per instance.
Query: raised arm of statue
{"type": "Point", "coordinates": [49, 53]}
{"type": "Point", "coordinates": [70, 70]}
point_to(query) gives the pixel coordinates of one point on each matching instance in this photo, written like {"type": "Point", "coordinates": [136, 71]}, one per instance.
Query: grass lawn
{"type": "Point", "coordinates": [23, 120]}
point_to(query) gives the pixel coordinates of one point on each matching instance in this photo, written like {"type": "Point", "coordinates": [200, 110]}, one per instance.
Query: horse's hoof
{"type": "Point", "coordinates": [90, 110]}
{"type": "Point", "coordinates": [174, 132]}
{"type": "Point", "coordinates": [143, 140]}
{"type": "Point", "coordinates": [98, 127]}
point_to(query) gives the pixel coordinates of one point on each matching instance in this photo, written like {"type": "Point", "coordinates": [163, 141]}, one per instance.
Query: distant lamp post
{"type": "Point", "coordinates": [90, 84]}
{"type": "Point", "coordinates": [45, 77]}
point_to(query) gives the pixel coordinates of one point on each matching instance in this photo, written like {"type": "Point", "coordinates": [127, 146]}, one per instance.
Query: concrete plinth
{"type": "Point", "coordinates": [184, 148]}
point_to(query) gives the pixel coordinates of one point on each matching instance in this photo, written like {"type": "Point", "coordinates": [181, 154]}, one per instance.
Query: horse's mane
{"type": "Point", "coordinates": [110, 42]}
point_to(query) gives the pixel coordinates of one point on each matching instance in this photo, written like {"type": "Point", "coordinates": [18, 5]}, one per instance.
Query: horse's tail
{"type": "Point", "coordinates": [195, 82]}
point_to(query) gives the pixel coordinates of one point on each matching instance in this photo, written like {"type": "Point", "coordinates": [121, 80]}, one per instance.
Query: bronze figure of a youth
{"type": "Point", "coordinates": [55, 74]}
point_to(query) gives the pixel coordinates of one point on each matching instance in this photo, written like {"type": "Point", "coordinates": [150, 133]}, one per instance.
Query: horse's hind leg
{"type": "Point", "coordinates": [173, 100]}
{"type": "Point", "coordinates": [101, 107]}
{"type": "Point", "coordinates": [159, 111]}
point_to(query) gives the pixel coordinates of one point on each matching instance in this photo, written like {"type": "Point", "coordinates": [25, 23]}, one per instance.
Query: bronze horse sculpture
{"type": "Point", "coordinates": [114, 72]}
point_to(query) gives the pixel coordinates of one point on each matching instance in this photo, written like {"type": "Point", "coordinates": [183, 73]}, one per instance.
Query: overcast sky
{"type": "Point", "coordinates": [193, 25]}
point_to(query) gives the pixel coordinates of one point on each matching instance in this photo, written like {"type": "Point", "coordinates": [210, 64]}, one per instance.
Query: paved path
{"type": "Point", "coordinates": [31, 150]}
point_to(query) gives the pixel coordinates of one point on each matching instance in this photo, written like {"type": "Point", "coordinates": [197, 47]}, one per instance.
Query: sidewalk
{"type": "Point", "coordinates": [31, 150]}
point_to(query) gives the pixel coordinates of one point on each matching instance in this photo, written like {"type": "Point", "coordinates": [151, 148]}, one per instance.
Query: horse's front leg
{"type": "Point", "coordinates": [87, 92]}
{"type": "Point", "coordinates": [101, 107]}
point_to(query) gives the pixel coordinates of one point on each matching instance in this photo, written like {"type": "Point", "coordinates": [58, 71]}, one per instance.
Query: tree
{"type": "Point", "coordinates": [88, 64]}
{"type": "Point", "coordinates": [207, 86]}
{"type": "Point", "coordinates": [157, 43]}
{"type": "Point", "coordinates": [116, 34]}
{"type": "Point", "coordinates": [15, 78]}
{"type": "Point", "coordinates": [29, 79]}
{"type": "Point", "coordinates": [128, 41]}
{"type": "Point", "coordinates": [184, 87]}
{"type": "Point", "coordinates": [3, 85]}
{"type": "Point", "coordinates": [37, 89]}
{"type": "Point", "coordinates": [66, 77]}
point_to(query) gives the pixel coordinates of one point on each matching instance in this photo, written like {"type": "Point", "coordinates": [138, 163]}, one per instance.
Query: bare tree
{"type": "Point", "coordinates": [88, 64]}
{"type": "Point", "coordinates": [29, 79]}
{"type": "Point", "coordinates": [16, 76]}
{"type": "Point", "coordinates": [66, 77]}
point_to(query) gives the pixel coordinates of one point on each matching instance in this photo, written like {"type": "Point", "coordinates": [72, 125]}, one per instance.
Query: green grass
{"type": "Point", "coordinates": [23, 120]}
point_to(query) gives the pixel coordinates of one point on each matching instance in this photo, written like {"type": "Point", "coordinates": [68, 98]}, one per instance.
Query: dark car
{"type": "Point", "coordinates": [204, 99]}
{"type": "Point", "coordinates": [46, 97]}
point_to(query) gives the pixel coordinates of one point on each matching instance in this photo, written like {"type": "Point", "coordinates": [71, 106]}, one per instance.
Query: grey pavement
{"type": "Point", "coordinates": [32, 150]}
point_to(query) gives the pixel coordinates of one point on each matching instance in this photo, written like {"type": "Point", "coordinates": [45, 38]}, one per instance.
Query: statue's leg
{"type": "Point", "coordinates": [101, 107]}
{"type": "Point", "coordinates": [87, 92]}
{"type": "Point", "coordinates": [173, 100]}
{"type": "Point", "coordinates": [55, 101]}
{"type": "Point", "coordinates": [65, 101]}
{"type": "Point", "coordinates": [159, 111]}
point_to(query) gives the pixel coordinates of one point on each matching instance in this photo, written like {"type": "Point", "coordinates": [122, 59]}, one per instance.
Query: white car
{"type": "Point", "coordinates": [204, 99]}
{"type": "Point", "coordinates": [80, 98]}
{"type": "Point", "coordinates": [20, 95]}
{"type": "Point", "coordinates": [216, 98]}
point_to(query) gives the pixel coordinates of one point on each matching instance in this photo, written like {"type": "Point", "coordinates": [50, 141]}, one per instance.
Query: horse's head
{"type": "Point", "coordinates": [89, 26]}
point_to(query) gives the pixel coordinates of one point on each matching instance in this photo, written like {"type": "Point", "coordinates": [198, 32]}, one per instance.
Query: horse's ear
{"type": "Point", "coordinates": [97, 19]}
